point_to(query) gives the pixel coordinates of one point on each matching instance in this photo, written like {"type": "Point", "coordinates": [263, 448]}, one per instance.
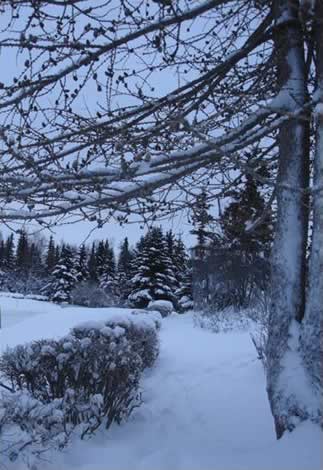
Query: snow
{"type": "Point", "coordinates": [25, 320]}
{"type": "Point", "coordinates": [293, 378]}
{"type": "Point", "coordinates": [318, 110]}
{"type": "Point", "coordinates": [165, 307]}
{"type": "Point", "coordinates": [204, 403]}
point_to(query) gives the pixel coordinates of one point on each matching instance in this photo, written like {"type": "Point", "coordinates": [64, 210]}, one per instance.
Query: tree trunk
{"type": "Point", "coordinates": [311, 335]}
{"type": "Point", "coordinates": [289, 248]}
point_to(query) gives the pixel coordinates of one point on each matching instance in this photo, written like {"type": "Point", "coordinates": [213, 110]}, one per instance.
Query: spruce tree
{"type": "Point", "coordinates": [124, 270]}
{"type": "Point", "coordinates": [154, 279]}
{"type": "Point", "coordinates": [36, 264]}
{"type": "Point", "coordinates": [57, 254]}
{"type": "Point", "coordinates": [107, 278]}
{"type": "Point", "coordinates": [63, 277]}
{"type": "Point", "coordinates": [22, 252]}
{"type": "Point", "coordinates": [2, 253]}
{"type": "Point", "coordinates": [246, 206]}
{"type": "Point", "coordinates": [101, 257]}
{"type": "Point", "coordinates": [81, 265]}
{"type": "Point", "coordinates": [9, 255]}
{"type": "Point", "coordinates": [50, 255]}
{"type": "Point", "coordinates": [170, 243]}
{"type": "Point", "coordinates": [125, 258]}
{"type": "Point", "coordinates": [92, 264]}
{"type": "Point", "coordinates": [244, 267]}
{"type": "Point", "coordinates": [180, 259]}
{"type": "Point", "coordinates": [184, 293]}
{"type": "Point", "coordinates": [202, 220]}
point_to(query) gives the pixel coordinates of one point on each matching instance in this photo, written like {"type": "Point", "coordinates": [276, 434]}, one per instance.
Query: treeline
{"type": "Point", "coordinates": [232, 255]}
{"type": "Point", "coordinates": [157, 268]}
{"type": "Point", "coordinates": [23, 264]}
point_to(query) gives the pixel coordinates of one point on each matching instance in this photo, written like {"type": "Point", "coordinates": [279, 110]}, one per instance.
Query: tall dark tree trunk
{"type": "Point", "coordinates": [313, 319]}
{"type": "Point", "coordinates": [289, 249]}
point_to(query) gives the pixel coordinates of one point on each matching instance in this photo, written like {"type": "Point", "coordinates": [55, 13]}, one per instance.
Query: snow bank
{"type": "Point", "coordinates": [90, 378]}
{"type": "Point", "coordinates": [205, 406]}
{"type": "Point", "coordinates": [25, 320]}
{"type": "Point", "coordinates": [164, 307]}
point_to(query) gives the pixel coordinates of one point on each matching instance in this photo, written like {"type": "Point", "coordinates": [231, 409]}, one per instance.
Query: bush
{"type": "Point", "coordinates": [27, 426]}
{"type": "Point", "coordinates": [151, 315]}
{"type": "Point", "coordinates": [164, 307]}
{"type": "Point", "coordinates": [95, 369]}
{"type": "Point", "coordinates": [222, 321]}
{"type": "Point", "coordinates": [87, 294]}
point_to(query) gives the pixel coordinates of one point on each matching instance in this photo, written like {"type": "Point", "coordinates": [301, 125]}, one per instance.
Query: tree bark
{"type": "Point", "coordinates": [289, 248]}
{"type": "Point", "coordinates": [311, 335]}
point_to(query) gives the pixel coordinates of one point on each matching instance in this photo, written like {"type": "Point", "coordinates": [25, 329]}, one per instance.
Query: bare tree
{"type": "Point", "coordinates": [87, 133]}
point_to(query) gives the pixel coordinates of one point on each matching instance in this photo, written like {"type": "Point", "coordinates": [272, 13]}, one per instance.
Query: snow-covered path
{"type": "Point", "coordinates": [205, 407]}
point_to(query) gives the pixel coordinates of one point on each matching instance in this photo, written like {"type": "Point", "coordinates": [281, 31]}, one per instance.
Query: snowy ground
{"type": "Point", "coordinates": [205, 405]}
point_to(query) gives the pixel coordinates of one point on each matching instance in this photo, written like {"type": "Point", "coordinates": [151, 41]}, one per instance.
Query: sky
{"type": "Point", "coordinates": [86, 232]}
{"type": "Point", "coordinates": [79, 232]}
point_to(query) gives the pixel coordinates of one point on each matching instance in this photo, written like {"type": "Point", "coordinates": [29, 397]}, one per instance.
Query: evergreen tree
{"type": "Point", "coordinates": [81, 265]}
{"type": "Point", "coordinates": [202, 220]}
{"type": "Point", "coordinates": [247, 205]}
{"type": "Point", "coordinates": [2, 253]}
{"type": "Point", "coordinates": [57, 254]}
{"type": "Point", "coordinates": [170, 243]}
{"type": "Point", "coordinates": [63, 277]}
{"type": "Point", "coordinates": [36, 265]}
{"type": "Point", "coordinates": [51, 255]}
{"type": "Point", "coordinates": [9, 255]}
{"type": "Point", "coordinates": [180, 259]}
{"type": "Point", "coordinates": [101, 257]}
{"type": "Point", "coordinates": [107, 278]}
{"type": "Point", "coordinates": [183, 274]}
{"type": "Point", "coordinates": [243, 265]}
{"type": "Point", "coordinates": [125, 270]}
{"type": "Point", "coordinates": [92, 264]}
{"type": "Point", "coordinates": [125, 258]}
{"type": "Point", "coordinates": [155, 277]}
{"type": "Point", "coordinates": [22, 252]}
{"type": "Point", "coordinates": [184, 293]}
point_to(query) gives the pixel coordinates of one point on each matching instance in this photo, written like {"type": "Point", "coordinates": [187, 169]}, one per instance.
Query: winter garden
{"type": "Point", "coordinates": [161, 207]}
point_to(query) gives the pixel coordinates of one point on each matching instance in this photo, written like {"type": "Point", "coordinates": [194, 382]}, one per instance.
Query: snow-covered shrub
{"type": "Point", "coordinates": [89, 294]}
{"type": "Point", "coordinates": [139, 333]}
{"type": "Point", "coordinates": [152, 315]}
{"type": "Point", "coordinates": [42, 298]}
{"type": "Point", "coordinates": [12, 295]}
{"type": "Point", "coordinates": [28, 426]}
{"type": "Point", "coordinates": [34, 367]}
{"type": "Point", "coordinates": [185, 303]}
{"type": "Point", "coordinates": [95, 369]}
{"type": "Point", "coordinates": [222, 321]}
{"type": "Point", "coordinates": [164, 307]}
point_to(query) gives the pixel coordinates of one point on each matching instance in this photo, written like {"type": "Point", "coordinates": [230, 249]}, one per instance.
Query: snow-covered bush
{"type": "Point", "coordinates": [41, 298]}
{"type": "Point", "coordinates": [89, 294]}
{"type": "Point", "coordinates": [28, 426]}
{"type": "Point", "coordinates": [222, 321]}
{"type": "Point", "coordinates": [164, 307]}
{"type": "Point", "coordinates": [138, 333]}
{"type": "Point", "coordinates": [185, 303]}
{"type": "Point", "coordinates": [152, 315]}
{"type": "Point", "coordinates": [95, 369]}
